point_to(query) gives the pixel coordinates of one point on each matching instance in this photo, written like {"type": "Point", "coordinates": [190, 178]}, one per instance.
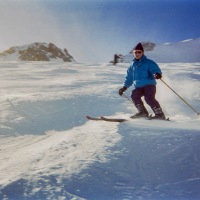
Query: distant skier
{"type": "Point", "coordinates": [142, 74]}
{"type": "Point", "coordinates": [116, 57]}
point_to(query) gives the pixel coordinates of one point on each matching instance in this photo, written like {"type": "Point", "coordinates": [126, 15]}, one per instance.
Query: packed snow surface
{"type": "Point", "coordinates": [48, 150]}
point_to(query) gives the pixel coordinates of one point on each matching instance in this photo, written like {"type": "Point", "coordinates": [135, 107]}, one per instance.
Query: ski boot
{"type": "Point", "coordinates": [158, 113]}
{"type": "Point", "coordinates": [142, 112]}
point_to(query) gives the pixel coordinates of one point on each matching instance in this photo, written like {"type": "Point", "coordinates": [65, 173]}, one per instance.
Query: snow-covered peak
{"type": "Point", "coordinates": [36, 52]}
{"type": "Point", "coordinates": [183, 51]}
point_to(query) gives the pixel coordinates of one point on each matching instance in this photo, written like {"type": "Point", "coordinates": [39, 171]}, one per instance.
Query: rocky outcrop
{"type": "Point", "coordinates": [37, 52]}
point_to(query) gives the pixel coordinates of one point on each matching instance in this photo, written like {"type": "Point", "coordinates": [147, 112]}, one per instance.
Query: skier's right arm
{"type": "Point", "coordinates": [128, 81]}
{"type": "Point", "coordinates": [129, 77]}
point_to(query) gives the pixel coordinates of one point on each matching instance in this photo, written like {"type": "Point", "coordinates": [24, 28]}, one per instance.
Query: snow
{"type": "Point", "coordinates": [188, 40]}
{"type": "Point", "coordinates": [48, 150]}
{"type": "Point", "coordinates": [186, 51]}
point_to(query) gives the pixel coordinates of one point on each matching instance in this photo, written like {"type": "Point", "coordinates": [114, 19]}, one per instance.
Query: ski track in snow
{"type": "Point", "coordinates": [48, 150]}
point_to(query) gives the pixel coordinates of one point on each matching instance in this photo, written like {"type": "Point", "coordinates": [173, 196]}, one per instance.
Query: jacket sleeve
{"type": "Point", "coordinates": [129, 77]}
{"type": "Point", "coordinates": [154, 68]}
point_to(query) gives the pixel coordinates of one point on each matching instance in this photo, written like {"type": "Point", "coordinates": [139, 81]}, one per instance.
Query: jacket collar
{"type": "Point", "coordinates": [141, 59]}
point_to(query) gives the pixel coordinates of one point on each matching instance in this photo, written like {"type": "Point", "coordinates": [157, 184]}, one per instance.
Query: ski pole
{"type": "Point", "coordinates": [124, 95]}
{"type": "Point", "coordinates": [181, 97]}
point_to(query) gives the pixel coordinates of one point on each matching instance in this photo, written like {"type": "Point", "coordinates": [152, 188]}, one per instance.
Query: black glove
{"type": "Point", "coordinates": [121, 91]}
{"type": "Point", "coordinates": [157, 76]}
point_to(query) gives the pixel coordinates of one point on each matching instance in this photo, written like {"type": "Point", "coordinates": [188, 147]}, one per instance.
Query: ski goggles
{"type": "Point", "coordinates": [139, 52]}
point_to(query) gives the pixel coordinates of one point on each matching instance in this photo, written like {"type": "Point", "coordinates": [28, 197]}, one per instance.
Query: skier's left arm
{"type": "Point", "coordinates": [155, 70]}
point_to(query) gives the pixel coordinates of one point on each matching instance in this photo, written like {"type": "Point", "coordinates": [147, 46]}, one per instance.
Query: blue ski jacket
{"type": "Point", "coordinates": [140, 73]}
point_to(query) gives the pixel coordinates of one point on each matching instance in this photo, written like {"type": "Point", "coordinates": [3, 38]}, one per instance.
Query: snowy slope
{"type": "Point", "coordinates": [48, 150]}
{"type": "Point", "coordinates": [183, 51]}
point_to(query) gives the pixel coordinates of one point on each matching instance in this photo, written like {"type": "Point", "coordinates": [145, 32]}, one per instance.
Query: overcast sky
{"type": "Point", "coordinates": [93, 30]}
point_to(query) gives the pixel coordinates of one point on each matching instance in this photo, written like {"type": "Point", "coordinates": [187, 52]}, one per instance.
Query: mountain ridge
{"type": "Point", "coordinates": [38, 51]}
{"type": "Point", "coordinates": [183, 51]}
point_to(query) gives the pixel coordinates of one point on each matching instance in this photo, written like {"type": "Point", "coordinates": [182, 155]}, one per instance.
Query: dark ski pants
{"type": "Point", "coordinates": [148, 92]}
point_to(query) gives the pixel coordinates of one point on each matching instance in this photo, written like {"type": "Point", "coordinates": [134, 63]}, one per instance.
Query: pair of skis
{"type": "Point", "coordinates": [101, 118]}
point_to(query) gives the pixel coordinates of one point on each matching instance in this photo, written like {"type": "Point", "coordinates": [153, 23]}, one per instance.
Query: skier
{"type": "Point", "coordinates": [116, 57]}
{"type": "Point", "coordinates": [142, 74]}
